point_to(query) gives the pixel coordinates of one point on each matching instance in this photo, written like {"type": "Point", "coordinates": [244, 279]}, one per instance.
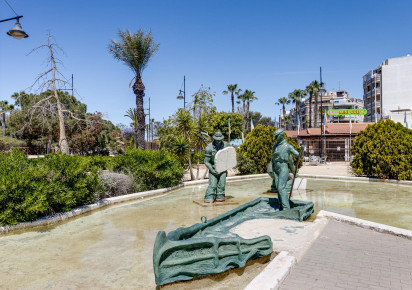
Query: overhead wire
{"type": "Point", "coordinates": [10, 7]}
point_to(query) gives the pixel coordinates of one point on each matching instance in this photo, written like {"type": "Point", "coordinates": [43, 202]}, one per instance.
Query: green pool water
{"type": "Point", "coordinates": [112, 248]}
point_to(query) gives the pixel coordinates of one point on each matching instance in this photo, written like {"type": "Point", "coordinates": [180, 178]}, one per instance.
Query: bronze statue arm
{"type": "Point", "coordinates": [209, 165]}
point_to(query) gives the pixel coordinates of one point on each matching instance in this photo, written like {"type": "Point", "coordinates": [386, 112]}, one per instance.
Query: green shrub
{"type": "Point", "coordinates": [254, 155]}
{"type": "Point", "coordinates": [33, 188]}
{"type": "Point", "coordinates": [7, 143]}
{"type": "Point", "coordinates": [99, 161]}
{"type": "Point", "coordinates": [150, 169]}
{"type": "Point", "coordinates": [383, 150]}
{"type": "Point", "coordinates": [220, 123]}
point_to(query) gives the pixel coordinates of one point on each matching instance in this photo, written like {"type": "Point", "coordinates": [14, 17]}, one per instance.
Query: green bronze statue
{"type": "Point", "coordinates": [217, 181]}
{"type": "Point", "coordinates": [281, 163]}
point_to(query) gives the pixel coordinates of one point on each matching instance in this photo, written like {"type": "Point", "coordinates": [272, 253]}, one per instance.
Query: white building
{"type": "Point", "coordinates": [388, 89]}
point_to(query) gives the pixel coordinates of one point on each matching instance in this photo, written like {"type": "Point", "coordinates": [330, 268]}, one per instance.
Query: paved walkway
{"type": "Point", "coordinates": [349, 257]}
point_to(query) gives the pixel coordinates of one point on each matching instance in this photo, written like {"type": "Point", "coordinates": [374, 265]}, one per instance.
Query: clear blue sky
{"type": "Point", "coordinates": [270, 47]}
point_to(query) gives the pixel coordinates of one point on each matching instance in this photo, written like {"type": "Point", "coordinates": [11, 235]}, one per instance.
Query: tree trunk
{"type": "Point", "coordinates": [135, 137]}
{"type": "Point", "coordinates": [284, 116]}
{"type": "Point", "coordinates": [192, 176]}
{"type": "Point", "coordinates": [204, 175]}
{"type": "Point", "coordinates": [233, 103]}
{"type": "Point", "coordinates": [198, 165]}
{"type": "Point", "coordinates": [49, 143]}
{"type": "Point", "coordinates": [63, 144]}
{"type": "Point", "coordinates": [247, 115]}
{"type": "Point", "coordinates": [4, 124]}
{"type": "Point", "coordinates": [138, 89]}
{"type": "Point", "coordinates": [316, 110]}
{"type": "Point", "coordinates": [310, 111]}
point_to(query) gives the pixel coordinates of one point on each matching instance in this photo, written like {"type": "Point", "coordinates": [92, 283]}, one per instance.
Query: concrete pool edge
{"type": "Point", "coordinates": [54, 219]}
{"type": "Point", "coordinates": [381, 228]}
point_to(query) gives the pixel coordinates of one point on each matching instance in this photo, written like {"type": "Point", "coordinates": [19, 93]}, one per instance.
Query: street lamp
{"type": "Point", "coordinates": [183, 97]}
{"type": "Point", "coordinates": [17, 31]}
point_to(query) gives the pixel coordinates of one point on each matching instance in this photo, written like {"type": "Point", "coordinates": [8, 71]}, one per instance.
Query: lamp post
{"type": "Point", "coordinates": [183, 97]}
{"type": "Point", "coordinates": [17, 31]}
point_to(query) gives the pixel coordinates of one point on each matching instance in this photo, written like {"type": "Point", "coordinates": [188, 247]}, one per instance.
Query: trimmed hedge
{"type": "Point", "coordinates": [149, 169]}
{"type": "Point", "coordinates": [253, 156]}
{"type": "Point", "coordinates": [383, 150]}
{"type": "Point", "coordinates": [33, 188]}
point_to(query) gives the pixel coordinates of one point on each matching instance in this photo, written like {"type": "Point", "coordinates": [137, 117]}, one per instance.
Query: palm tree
{"type": "Point", "coordinates": [132, 114]}
{"type": "Point", "coordinates": [231, 89]}
{"type": "Point", "coordinates": [135, 50]}
{"type": "Point", "coordinates": [311, 90]}
{"type": "Point", "coordinates": [201, 138]}
{"type": "Point", "coordinates": [5, 107]}
{"type": "Point", "coordinates": [284, 101]}
{"type": "Point", "coordinates": [185, 127]}
{"type": "Point", "coordinates": [315, 88]}
{"type": "Point", "coordinates": [248, 97]}
{"type": "Point", "coordinates": [296, 97]}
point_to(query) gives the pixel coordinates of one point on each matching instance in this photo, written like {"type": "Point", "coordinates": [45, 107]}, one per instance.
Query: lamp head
{"type": "Point", "coordinates": [17, 31]}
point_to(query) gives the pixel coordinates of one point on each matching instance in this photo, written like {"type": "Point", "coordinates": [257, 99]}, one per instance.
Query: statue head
{"type": "Point", "coordinates": [218, 137]}
{"type": "Point", "coordinates": [279, 135]}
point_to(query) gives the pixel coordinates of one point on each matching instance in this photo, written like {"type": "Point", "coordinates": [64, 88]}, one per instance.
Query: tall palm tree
{"type": "Point", "coordinates": [296, 97]}
{"type": "Point", "coordinates": [231, 89]}
{"type": "Point", "coordinates": [135, 50]}
{"type": "Point", "coordinates": [4, 108]}
{"type": "Point", "coordinates": [311, 90]}
{"type": "Point", "coordinates": [284, 101]}
{"type": "Point", "coordinates": [249, 97]}
{"type": "Point", "coordinates": [132, 114]}
{"type": "Point", "coordinates": [315, 88]}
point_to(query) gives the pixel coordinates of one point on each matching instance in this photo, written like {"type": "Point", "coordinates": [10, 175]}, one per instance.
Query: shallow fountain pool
{"type": "Point", "coordinates": [112, 247]}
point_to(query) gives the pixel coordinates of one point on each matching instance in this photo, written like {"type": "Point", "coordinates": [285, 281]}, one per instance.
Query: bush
{"type": "Point", "coordinates": [254, 154]}
{"type": "Point", "coordinates": [115, 184]}
{"type": "Point", "coordinates": [33, 188]}
{"type": "Point", "coordinates": [149, 169]}
{"type": "Point", "coordinates": [7, 143]}
{"type": "Point", "coordinates": [99, 161]}
{"type": "Point", "coordinates": [383, 150]}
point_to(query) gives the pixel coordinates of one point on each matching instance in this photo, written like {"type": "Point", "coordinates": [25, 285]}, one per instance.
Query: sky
{"type": "Point", "coordinates": [269, 47]}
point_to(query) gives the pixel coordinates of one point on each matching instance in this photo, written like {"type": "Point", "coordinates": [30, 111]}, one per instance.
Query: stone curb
{"type": "Point", "coordinates": [381, 228]}
{"type": "Point", "coordinates": [49, 220]}
{"type": "Point", "coordinates": [274, 274]}
{"type": "Point", "coordinates": [356, 178]}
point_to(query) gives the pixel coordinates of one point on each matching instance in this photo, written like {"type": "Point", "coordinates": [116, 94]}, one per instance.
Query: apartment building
{"type": "Point", "coordinates": [326, 100]}
{"type": "Point", "coordinates": [388, 89]}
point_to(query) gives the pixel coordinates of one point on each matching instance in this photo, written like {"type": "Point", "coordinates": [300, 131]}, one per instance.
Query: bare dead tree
{"type": "Point", "coordinates": [51, 105]}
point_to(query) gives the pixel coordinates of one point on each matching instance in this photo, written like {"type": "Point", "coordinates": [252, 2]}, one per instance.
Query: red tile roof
{"type": "Point", "coordinates": [331, 129]}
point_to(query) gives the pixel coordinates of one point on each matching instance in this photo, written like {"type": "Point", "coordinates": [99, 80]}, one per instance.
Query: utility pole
{"type": "Point", "coordinates": [321, 112]}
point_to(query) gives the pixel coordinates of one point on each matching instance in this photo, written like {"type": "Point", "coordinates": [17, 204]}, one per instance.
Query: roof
{"type": "Point", "coordinates": [331, 129]}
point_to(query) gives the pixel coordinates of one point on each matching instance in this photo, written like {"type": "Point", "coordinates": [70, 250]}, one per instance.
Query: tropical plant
{"type": "Point", "coordinates": [314, 88]}
{"type": "Point", "coordinates": [296, 97]}
{"type": "Point", "coordinates": [283, 101]}
{"type": "Point", "coordinates": [383, 150]}
{"type": "Point", "coordinates": [135, 51]}
{"type": "Point", "coordinates": [231, 89]}
{"type": "Point", "coordinates": [247, 97]}
{"type": "Point", "coordinates": [132, 114]}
